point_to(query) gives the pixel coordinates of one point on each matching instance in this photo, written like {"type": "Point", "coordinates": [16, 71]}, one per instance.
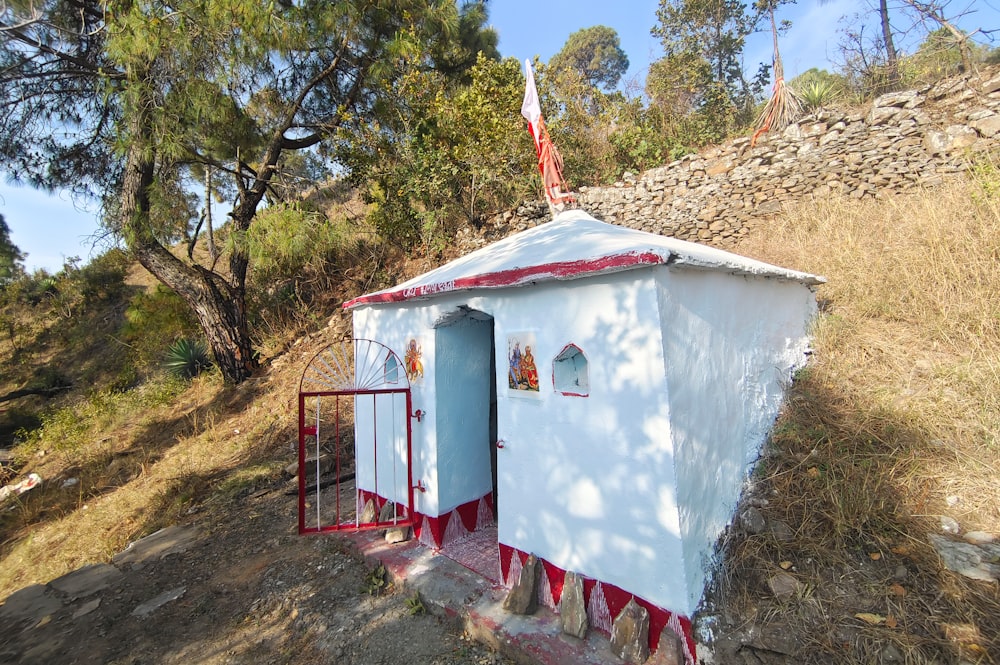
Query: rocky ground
{"type": "Point", "coordinates": [236, 588]}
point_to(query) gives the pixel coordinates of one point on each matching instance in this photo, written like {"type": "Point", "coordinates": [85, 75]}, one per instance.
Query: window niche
{"type": "Point", "coordinates": [570, 374]}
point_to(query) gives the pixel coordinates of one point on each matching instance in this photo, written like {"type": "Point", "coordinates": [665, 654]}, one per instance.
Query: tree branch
{"type": "Point", "coordinates": [304, 142]}
{"type": "Point", "coordinates": [19, 35]}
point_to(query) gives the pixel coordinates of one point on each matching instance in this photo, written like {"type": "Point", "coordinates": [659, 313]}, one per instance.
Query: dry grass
{"type": "Point", "coordinates": [143, 468]}
{"type": "Point", "coordinates": [894, 424]}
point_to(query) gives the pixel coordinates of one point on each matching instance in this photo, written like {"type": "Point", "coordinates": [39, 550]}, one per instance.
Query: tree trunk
{"type": "Point", "coordinates": [891, 56]}
{"type": "Point", "coordinates": [220, 306]}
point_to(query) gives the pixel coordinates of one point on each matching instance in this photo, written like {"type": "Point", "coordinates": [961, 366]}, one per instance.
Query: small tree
{"type": "Point", "coordinates": [594, 54]}
{"type": "Point", "coordinates": [129, 99]}
{"type": "Point", "coordinates": [459, 152]}
{"type": "Point", "coordinates": [947, 36]}
{"type": "Point", "coordinates": [703, 42]}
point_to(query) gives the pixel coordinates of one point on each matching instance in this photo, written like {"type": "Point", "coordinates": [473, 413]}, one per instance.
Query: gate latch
{"type": "Point", "coordinates": [420, 486]}
{"type": "Point", "coordinates": [419, 415]}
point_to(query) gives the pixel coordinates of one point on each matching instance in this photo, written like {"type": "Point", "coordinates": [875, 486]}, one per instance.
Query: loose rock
{"type": "Point", "coordinates": [630, 633]}
{"type": "Point", "coordinates": [572, 607]}
{"type": "Point", "coordinates": [669, 651]}
{"type": "Point", "coordinates": [784, 586]}
{"type": "Point", "coordinates": [523, 597]}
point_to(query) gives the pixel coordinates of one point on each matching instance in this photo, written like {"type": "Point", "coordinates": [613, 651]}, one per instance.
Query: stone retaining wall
{"type": "Point", "coordinates": [905, 139]}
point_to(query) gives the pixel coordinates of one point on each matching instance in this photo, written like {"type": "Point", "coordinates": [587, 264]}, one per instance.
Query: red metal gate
{"type": "Point", "coordinates": [354, 440]}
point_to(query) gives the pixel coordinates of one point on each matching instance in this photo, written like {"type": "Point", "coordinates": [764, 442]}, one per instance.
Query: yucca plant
{"type": "Point", "coordinates": [816, 94]}
{"type": "Point", "coordinates": [187, 358]}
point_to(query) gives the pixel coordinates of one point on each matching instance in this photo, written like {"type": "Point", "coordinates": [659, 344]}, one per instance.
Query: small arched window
{"type": "Point", "coordinates": [570, 375]}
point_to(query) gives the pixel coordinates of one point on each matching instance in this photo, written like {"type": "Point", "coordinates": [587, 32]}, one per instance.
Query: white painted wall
{"type": "Point", "coordinates": [731, 347]}
{"type": "Point", "coordinates": [394, 327]}
{"type": "Point", "coordinates": [588, 482]}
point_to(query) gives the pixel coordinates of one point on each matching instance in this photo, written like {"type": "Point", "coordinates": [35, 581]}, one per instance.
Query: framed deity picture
{"type": "Point", "coordinates": [522, 366]}
{"type": "Point", "coordinates": [413, 360]}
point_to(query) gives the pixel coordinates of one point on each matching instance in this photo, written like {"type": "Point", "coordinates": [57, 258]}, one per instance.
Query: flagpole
{"type": "Point", "coordinates": [550, 163]}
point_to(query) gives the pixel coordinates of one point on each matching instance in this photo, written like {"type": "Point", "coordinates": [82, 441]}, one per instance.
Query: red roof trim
{"type": "Point", "coordinates": [515, 277]}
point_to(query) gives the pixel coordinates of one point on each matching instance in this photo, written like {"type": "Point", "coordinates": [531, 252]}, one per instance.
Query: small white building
{"type": "Point", "coordinates": [602, 392]}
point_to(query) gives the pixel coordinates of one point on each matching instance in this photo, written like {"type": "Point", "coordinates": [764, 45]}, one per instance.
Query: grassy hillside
{"type": "Point", "coordinates": [893, 425]}
{"type": "Point", "coordinates": [892, 428]}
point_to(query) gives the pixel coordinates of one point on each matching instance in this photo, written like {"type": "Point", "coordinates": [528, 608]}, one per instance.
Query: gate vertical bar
{"type": "Point", "coordinates": [319, 520]}
{"type": "Point", "coordinates": [337, 453]}
{"type": "Point", "coordinates": [302, 463]}
{"type": "Point", "coordinates": [409, 456]}
{"type": "Point", "coordinates": [375, 433]}
{"type": "Point", "coordinates": [395, 456]}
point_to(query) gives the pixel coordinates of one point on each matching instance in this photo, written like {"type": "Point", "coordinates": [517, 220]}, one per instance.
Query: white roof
{"type": "Point", "coordinates": [571, 246]}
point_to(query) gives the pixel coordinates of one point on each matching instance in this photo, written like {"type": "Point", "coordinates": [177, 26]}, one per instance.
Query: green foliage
{"type": "Point", "coordinates": [455, 57]}
{"type": "Point", "coordinates": [675, 82]}
{"type": "Point", "coordinates": [376, 581]}
{"type": "Point", "coordinates": [74, 290]}
{"type": "Point", "coordinates": [133, 101]}
{"type": "Point", "coordinates": [459, 152]}
{"type": "Point", "coordinates": [103, 279]}
{"type": "Point", "coordinates": [639, 145]}
{"type": "Point", "coordinates": [415, 605]}
{"type": "Point", "coordinates": [817, 88]}
{"type": "Point", "coordinates": [985, 173]}
{"type": "Point", "coordinates": [11, 258]}
{"type": "Point", "coordinates": [601, 135]}
{"type": "Point", "coordinates": [153, 320]}
{"type": "Point", "coordinates": [286, 238]}
{"type": "Point", "coordinates": [71, 427]}
{"type": "Point", "coordinates": [31, 289]}
{"type": "Point", "coordinates": [817, 94]}
{"type": "Point", "coordinates": [595, 55]}
{"type": "Point", "coordinates": [937, 57]}
{"type": "Point", "coordinates": [296, 253]}
{"type": "Point", "coordinates": [187, 358]}
{"type": "Point", "coordinates": [703, 42]}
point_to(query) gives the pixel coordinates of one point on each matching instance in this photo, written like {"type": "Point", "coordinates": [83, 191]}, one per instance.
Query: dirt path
{"type": "Point", "coordinates": [246, 589]}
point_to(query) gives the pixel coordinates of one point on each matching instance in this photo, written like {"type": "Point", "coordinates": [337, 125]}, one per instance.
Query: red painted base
{"type": "Point", "coordinates": [604, 601]}
{"type": "Point", "coordinates": [438, 531]}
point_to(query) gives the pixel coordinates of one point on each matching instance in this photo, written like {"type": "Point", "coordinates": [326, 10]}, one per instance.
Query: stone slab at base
{"type": "Point", "coordinates": [449, 589]}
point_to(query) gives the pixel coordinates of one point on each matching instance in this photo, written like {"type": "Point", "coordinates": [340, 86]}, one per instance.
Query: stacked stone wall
{"type": "Point", "coordinates": [904, 140]}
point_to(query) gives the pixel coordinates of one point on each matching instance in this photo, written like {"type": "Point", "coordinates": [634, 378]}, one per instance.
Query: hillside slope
{"type": "Point", "coordinates": [887, 447]}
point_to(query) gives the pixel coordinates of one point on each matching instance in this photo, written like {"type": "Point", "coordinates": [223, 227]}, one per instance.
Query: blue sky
{"type": "Point", "coordinates": [51, 228]}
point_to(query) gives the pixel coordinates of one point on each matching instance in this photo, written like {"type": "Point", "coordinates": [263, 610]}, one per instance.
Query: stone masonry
{"type": "Point", "coordinates": [908, 139]}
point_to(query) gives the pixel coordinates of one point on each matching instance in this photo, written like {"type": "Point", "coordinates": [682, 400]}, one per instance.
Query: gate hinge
{"type": "Point", "coordinates": [419, 415]}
